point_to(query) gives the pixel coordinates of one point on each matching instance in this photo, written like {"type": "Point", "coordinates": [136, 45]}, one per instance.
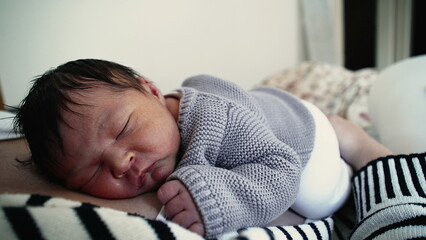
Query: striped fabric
{"type": "Point", "coordinates": [25, 216]}
{"type": "Point", "coordinates": [315, 230]}
{"type": "Point", "coordinates": [390, 198]}
{"type": "Point", "coordinates": [389, 194]}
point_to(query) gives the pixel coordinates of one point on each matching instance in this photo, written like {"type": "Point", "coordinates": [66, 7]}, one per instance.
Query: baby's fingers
{"type": "Point", "coordinates": [168, 191]}
{"type": "Point", "coordinates": [197, 228]}
{"type": "Point", "coordinates": [175, 206]}
{"type": "Point", "coordinates": [189, 220]}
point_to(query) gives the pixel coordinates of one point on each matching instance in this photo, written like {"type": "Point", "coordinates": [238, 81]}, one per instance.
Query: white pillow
{"type": "Point", "coordinates": [397, 106]}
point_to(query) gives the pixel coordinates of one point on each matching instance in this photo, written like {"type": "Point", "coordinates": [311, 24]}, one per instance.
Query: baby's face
{"type": "Point", "coordinates": [122, 145]}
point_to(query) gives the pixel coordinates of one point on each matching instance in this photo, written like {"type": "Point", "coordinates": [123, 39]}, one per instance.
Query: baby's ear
{"type": "Point", "coordinates": [149, 87]}
{"type": "Point", "coordinates": [142, 80]}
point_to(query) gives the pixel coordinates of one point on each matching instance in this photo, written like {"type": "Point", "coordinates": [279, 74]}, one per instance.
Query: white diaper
{"type": "Point", "coordinates": [326, 180]}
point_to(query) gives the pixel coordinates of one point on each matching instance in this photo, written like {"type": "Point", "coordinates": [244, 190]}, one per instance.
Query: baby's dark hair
{"type": "Point", "coordinates": [40, 111]}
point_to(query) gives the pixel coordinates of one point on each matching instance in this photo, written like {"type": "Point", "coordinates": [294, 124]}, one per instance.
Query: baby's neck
{"type": "Point", "coordinates": [172, 103]}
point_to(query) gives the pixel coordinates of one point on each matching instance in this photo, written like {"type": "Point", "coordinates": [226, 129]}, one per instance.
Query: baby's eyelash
{"type": "Point", "coordinates": [123, 129]}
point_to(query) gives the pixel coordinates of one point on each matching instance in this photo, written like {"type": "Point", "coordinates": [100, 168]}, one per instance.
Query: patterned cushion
{"type": "Point", "coordinates": [334, 89]}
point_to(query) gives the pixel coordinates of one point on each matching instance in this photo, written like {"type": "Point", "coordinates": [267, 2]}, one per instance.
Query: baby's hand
{"type": "Point", "coordinates": [180, 207]}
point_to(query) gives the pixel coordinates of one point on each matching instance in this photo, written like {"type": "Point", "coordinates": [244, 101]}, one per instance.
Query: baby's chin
{"type": "Point", "coordinates": [109, 194]}
{"type": "Point", "coordinates": [157, 177]}
{"type": "Point", "coordinates": [160, 174]}
{"type": "Point", "coordinates": [113, 196]}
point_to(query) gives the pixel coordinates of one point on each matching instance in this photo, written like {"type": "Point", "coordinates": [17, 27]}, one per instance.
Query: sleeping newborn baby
{"type": "Point", "coordinates": [220, 158]}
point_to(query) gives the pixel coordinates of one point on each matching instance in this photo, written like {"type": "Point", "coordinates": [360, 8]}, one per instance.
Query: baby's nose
{"type": "Point", "coordinates": [121, 164]}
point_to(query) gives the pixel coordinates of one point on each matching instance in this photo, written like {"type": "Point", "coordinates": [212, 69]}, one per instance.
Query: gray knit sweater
{"type": "Point", "coordinates": [243, 152]}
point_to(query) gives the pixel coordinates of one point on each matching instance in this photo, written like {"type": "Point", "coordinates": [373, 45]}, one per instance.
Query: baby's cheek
{"type": "Point", "coordinates": [107, 188]}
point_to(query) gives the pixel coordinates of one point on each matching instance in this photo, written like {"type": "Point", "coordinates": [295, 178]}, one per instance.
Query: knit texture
{"type": "Point", "coordinates": [243, 152]}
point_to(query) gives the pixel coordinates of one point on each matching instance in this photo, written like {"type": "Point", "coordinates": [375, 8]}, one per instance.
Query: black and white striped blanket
{"type": "Point", "coordinates": [25, 216]}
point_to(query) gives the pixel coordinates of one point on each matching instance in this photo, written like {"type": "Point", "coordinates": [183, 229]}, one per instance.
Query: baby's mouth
{"type": "Point", "coordinates": [143, 176]}
{"type": "Point", "coordinates": [141, 180]}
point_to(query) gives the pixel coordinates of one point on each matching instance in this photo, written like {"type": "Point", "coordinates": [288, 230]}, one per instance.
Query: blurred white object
{"type": "Point", "coordinates": [6, 126]}
{"type": "Point", "coordinates": [397, 105]}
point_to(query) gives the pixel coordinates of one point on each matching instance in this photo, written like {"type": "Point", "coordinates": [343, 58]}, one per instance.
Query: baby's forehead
{"type": "Point", "coordinates": [94, 93]}
{"type": "Point", "coordinates": [80, 102]}
{"type": "Point", "coordinates": [85, 104]}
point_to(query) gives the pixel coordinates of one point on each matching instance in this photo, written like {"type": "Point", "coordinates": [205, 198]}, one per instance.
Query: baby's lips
{"type": "Point", "coordinates": [142, 181]}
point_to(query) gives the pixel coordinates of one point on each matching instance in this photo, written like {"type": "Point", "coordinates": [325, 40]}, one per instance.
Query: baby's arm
{"type": "Point", "coordinates": [180, 207]}
{"type": "Point", "coordinates": [356, 146]}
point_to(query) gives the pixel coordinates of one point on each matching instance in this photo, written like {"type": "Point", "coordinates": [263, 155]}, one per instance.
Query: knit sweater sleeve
{"type": "Point", "coordinates": [390, 196]}
{"type": "Point", "coordinates": [238, 173]}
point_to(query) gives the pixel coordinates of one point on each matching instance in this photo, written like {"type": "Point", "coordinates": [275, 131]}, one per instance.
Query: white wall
{"type": "Point", "coordinates": [166, 41]}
